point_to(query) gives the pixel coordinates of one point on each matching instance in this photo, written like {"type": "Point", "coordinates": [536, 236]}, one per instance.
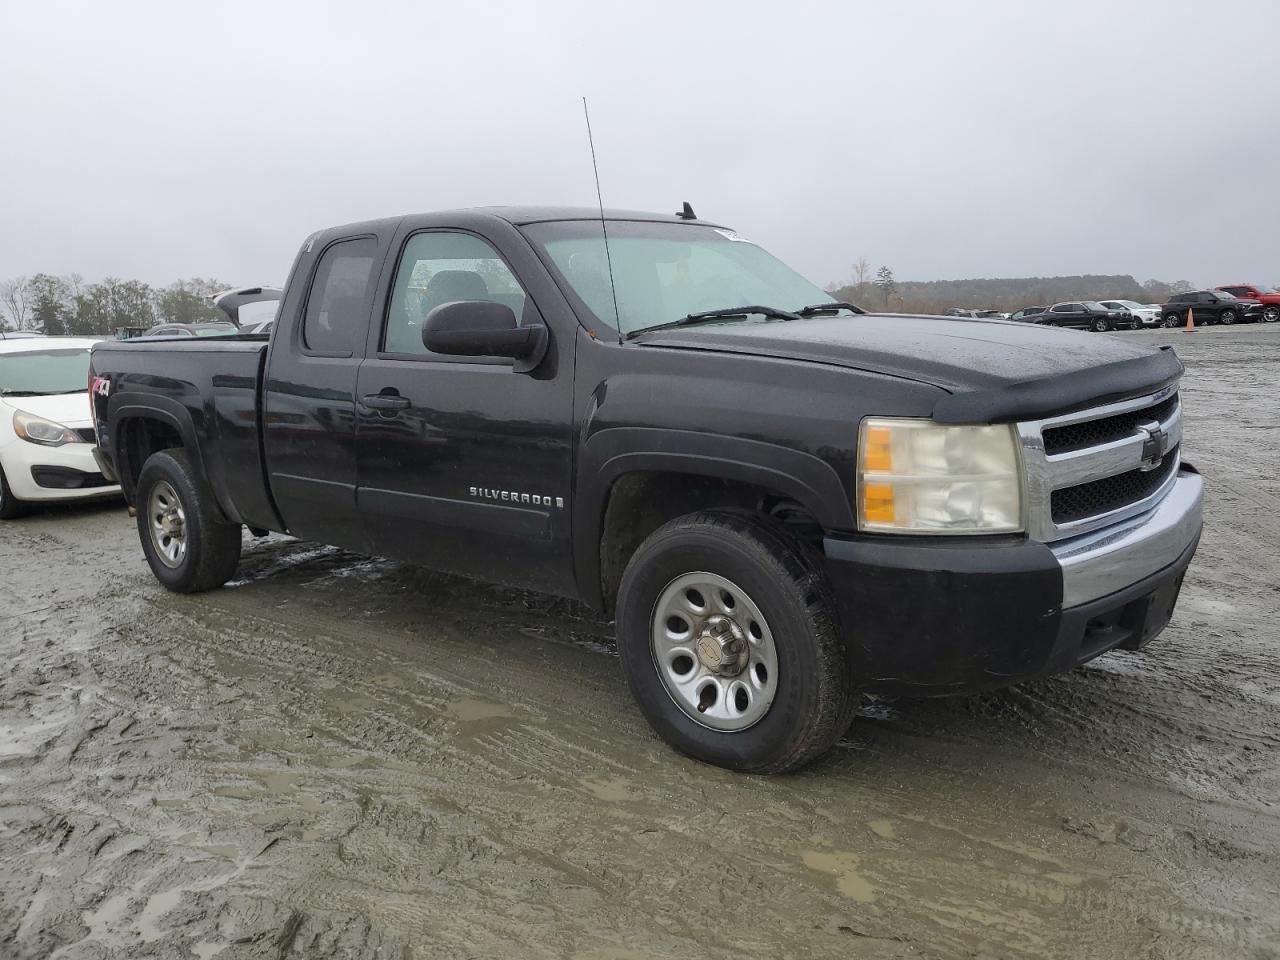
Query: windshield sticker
{"type": "Point", "coordinates": [730, 235]}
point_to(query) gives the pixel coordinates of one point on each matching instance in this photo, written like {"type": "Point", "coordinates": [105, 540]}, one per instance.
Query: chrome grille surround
{"type": "Point", "coordinates": [1045, 473]}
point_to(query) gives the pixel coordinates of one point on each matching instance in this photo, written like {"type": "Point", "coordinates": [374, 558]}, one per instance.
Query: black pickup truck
{"type": "Point", "coordinates": [782, 501]}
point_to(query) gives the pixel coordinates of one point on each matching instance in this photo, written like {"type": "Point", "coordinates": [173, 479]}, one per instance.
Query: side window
{"type": "Point", "coordinates": [1208, 298]}
{"type": "Point", "coordinates": [334, 322]}
{"type": "Point", "coordinates": [440, 267]}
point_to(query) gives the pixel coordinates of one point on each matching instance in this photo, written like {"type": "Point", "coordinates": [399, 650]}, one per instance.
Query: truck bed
{"type": "Point", "coordinates": [212, 386]}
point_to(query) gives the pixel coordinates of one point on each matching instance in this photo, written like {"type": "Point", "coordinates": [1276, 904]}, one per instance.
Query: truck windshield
{"type": "Point", "coordinates": [33, 373]}
{"type": "Point", "coordinates": [666, 271]}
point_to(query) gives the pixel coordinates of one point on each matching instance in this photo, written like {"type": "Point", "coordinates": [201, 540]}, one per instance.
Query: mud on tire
{"type": "Point", "coordinates": [813, 694]}
{"type": "Point", "coordinates": [211, 550]}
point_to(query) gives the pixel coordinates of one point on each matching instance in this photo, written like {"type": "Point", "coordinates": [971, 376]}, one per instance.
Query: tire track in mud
{"type": "Point", "coordinates": [345, 757]}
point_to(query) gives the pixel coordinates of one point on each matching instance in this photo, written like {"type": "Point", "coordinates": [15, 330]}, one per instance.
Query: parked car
{"type": "Point", "coordinates": [1147, 316]}
{"type": "Point", "coordinates": [1027, 313]}
{"type": "Point", "coordinates": [974, 314]}
{"type": "Point", "coordinates": [1269, 297]}
{"type": "Point", "coordinates": [46, 431]}
{"type": "Point", "coordinates": [212, 328]}
{"type": "Point", "coordinates": [19, 334]}
{"type": "Point", "coordinates": [1087, 315]}
{"type": "Point", "coordinates": [251, 309]}
{"type": "Point", "coordinates": [1210, 306]}
{"type": "Point", "coordinates": [894, 513]}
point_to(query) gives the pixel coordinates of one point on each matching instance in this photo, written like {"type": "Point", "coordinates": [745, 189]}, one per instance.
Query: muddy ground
{"type": "Point", "coordinates": [345, 757]}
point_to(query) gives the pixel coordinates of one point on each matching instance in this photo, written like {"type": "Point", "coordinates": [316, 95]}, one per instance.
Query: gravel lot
{"type": "Point", "coordinates": [344, 757]}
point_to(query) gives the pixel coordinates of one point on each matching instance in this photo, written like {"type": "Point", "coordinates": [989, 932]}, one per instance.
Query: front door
{"type": "Point", "coordinates": [464, 463]}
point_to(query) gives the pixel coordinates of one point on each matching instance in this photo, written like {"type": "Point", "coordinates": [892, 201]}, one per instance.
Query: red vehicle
{"type": "Point", "coordinates": [1269, 297]}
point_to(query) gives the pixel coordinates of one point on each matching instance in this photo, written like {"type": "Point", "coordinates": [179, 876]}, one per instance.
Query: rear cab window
{"type": "Point", "coordinates": [334, 322]}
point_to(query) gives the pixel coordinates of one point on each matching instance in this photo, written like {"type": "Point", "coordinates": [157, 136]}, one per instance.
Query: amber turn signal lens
{"type": "Point", "coordinates": [877, 453]}
{"type": "Point", "coordinates": [877, 502]}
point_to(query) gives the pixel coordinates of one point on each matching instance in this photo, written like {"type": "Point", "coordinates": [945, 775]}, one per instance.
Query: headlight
{"type": "Point", "coordinates": [42, 431]}
{"type": "Point", "coordinates": [916, 476]}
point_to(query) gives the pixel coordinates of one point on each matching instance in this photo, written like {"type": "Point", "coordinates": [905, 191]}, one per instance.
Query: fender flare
{"type": "Point", "coordinates": [612, 453]}
{"type": "Point", "coordinates": [125, 406]}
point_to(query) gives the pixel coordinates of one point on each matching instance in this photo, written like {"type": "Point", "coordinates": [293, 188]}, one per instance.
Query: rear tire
{"type": "Point", "coordinates": [10, 506]}
{"type": "Point", "coordinates": [188, 545]}
{"type": "Point", "coordinates": [748, 569]}
{"type": "Point", "coordinates": [1271, 314]}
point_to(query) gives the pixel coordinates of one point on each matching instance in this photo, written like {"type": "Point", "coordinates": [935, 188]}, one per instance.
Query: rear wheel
{"type": "Point", "coordinates": [10, 506]}
{"type": "Point", "coordinates": [727, 635]}
{"type": "Point", "coordinates": [188, 545]}
{"type": "Point", "coordinates": [1271, 314]}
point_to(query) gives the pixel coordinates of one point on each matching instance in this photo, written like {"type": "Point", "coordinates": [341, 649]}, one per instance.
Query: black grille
{"type": "Point", "coordinates": [1092, 433]}
{"type": "Point", "coordinates": [87, 435]}
{"type": "Point", "coordinates": [1102, 496]}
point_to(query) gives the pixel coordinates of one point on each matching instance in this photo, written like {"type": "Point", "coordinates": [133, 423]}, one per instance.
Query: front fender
{"type": "Point", "coordinates": [613, 452]}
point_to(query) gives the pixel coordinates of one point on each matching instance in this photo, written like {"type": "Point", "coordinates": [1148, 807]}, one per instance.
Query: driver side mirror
{"type": "Point", "coordinates": [482, 328]}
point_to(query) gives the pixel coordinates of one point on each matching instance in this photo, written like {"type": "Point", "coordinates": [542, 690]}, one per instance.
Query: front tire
{"type": "Point", "coordinates": [1227, 317]}
{"type": "Point", "coordinates": [188, 545]}
{"type": "Point", "coordinates": [1101, 325]}
{"type": "Point", "coordinates": [1172, 320]}
{"type": "Point", "coordinates": [728, 639]}
{"type": "Point", "coordinates": [1271, 314]}
{"type": "Point", "coordinates": [10, 506]}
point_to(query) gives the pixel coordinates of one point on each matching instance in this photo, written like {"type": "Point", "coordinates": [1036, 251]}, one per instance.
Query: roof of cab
{"type": "Point", "coordinates": [518, 215]}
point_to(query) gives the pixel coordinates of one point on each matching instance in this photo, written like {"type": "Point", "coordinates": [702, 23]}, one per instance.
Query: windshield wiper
{"type": "Point", "coordinates": [25, 393]}
{"type": "Point", "coordinates": [725, 313]}
{"type": "Point", "coordinates": [835, 306]}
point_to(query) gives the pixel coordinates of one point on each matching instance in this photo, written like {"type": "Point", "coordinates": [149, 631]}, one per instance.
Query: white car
{"type": "Point", "coordinates": [46, 426]}
{"type": "Point", "coordinates": [1147, 314]}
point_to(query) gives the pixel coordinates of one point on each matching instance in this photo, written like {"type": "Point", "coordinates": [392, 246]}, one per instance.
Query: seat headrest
{"type": "Point", "coordinates": [449, 285]}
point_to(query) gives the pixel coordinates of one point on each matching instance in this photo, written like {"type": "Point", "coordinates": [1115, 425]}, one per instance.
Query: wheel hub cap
{"type": "Point", "coordinates": [722, 646]}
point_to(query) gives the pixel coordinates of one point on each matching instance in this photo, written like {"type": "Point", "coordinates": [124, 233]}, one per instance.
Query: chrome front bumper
{"type": "Point", "coordinates": [1109, 559]}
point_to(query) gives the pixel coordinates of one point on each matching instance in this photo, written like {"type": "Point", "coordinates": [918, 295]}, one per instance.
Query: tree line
{"type": "Point", "coordinates": [67, 305]}
{"type": "Point", "coordinates": [880, 290]}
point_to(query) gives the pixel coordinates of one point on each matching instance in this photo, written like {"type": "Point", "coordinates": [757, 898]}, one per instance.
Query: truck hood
{"type": "Point", "coordinates": [994, 369]}
{"type": "Point", "coordinates": [68, 409]}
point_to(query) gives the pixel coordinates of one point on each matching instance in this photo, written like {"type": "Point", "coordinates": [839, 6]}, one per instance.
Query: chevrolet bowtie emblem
{"type": "Point", "coordinates": [1155, 445]}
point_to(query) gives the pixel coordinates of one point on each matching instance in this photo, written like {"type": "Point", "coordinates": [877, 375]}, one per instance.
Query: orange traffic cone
{"type": "Point", "coordinates": [1191, 321]}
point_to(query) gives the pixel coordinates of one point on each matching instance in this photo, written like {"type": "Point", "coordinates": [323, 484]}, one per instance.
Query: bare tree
{"type": "Point", "coordinates": [15, 301]}
{"type": "Point", "coordinates": [862, 274]}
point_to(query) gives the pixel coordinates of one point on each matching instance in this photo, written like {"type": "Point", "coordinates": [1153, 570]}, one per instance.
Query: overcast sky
{"type": "Point", "coordinates": [947, 140]}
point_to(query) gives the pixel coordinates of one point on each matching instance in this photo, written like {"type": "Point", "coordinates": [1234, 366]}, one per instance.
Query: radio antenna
{"type": "Point", "coordinates": [608, 259]}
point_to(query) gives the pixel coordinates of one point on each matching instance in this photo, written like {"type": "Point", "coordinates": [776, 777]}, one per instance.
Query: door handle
{"type": "Point", "coordinates": [385, 401]}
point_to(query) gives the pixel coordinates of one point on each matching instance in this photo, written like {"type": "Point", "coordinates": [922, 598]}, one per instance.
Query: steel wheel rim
{"type": "Point", "coordinates": [718, 694]}
{"type": "Point", "coordinates": [167, 523]}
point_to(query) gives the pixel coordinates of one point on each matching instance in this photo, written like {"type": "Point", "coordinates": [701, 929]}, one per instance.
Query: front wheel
{"type": "Point", "coordinates": [1227, 317]}
{"type": "Point", "coordinates": [10, 506]}
{"type": "Point", "coordinates": [1271, 314]}
{"type": "Point", "coordinates": [188, 545]}
{"type": "Point", "coordinates": [1101, 325]}
{"type": "Point", "coordinates": [727, 635]}
{"type": "Point", "coordinates": [1172, 320]}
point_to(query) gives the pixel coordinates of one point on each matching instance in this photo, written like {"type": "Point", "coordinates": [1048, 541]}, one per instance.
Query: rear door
{"type": "Point", "coordinates": [465, 463]}
{"type": "Point", "coordinates": [309, 405]}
